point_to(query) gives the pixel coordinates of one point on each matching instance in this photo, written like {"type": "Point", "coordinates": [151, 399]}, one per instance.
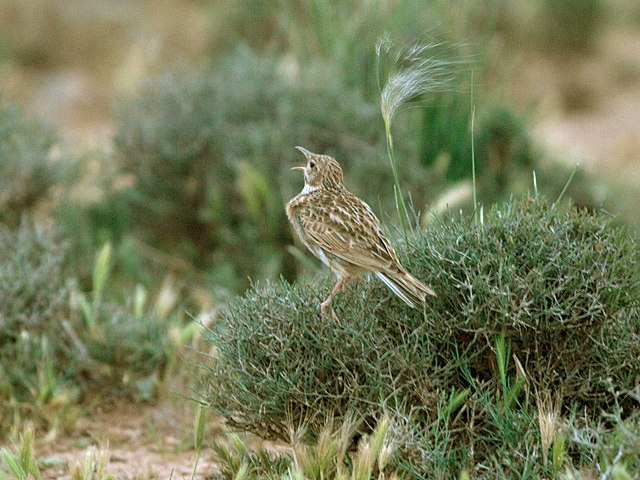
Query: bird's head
{"type": "Point", "coordinates": [320, 170]}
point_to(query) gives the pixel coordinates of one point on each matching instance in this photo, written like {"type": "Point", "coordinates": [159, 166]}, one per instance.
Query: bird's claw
{"type": "Point", "coordinates": [327, 305]}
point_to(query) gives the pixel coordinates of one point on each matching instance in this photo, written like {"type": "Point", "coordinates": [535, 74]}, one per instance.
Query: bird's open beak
{"type": "Point", "coordinates": [304, 151]}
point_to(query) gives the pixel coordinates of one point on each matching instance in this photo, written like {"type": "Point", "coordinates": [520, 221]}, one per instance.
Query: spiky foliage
{"type": "Point", "coordinates": [534, 297]}
{"type": "Point", "coordinates": [548, 279]}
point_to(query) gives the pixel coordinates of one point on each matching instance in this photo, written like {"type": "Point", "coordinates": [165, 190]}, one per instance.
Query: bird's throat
{"type": "Point", "coordinates": [307, 189]}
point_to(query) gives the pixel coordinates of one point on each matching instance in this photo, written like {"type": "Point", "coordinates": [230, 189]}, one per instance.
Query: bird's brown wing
{"type": "Point", "coordinates": [347, 228]}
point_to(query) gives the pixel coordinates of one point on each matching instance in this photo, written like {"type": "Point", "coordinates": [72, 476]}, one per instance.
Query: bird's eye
{"type": "Point", "coordinates": [312, 165]}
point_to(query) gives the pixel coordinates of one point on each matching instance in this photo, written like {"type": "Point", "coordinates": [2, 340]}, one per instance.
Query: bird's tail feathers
{"type": "Point", "coordinates": [411, 290]}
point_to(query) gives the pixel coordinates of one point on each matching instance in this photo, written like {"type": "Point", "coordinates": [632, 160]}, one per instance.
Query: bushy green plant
{"type": "Point", "coordinates": [548, 279]}
{"type": "Point", "coordinates": [292, 376]}
{"type": "Point", "coordinates": [533, 291]}
{"type": "Point", "coordinates": [56, 344]}
{"type": "Point", "coordinates": [34, 296]}
{"type": "Point", "coordinates": [28, 165]}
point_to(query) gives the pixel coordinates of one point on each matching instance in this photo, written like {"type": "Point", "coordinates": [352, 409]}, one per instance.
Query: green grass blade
{"type": "Point", "coordinates": [101, 272]}
{"type": "Point", "coordinates": [566, 185]}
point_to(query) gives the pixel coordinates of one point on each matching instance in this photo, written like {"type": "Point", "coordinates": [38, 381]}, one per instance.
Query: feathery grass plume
{"type": "Point", "coordinates": [369, 452]}
{"type": "Point", "coordinates": [198, 435]}
{"type": "Point", "coordinates": [21, 463]}
{"type": "Point", "coordinates": [236, 460]}
{"type": "Point", "coordinates": [93, 465]}
{"type": "Point", "coordinates": [558, 452]}
{"type": "Point", "coordinates": [415, 70]}
{"type": "Point", "coordinates": [548, 413]}
{"type": "Point", "coordinates": [331, 443]}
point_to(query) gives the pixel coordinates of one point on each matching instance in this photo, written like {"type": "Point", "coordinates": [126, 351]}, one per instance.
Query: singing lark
{"type": "Point", "coordinates": [344, 233]}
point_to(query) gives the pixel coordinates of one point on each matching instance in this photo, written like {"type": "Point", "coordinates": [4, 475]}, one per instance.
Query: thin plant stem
{"type": "Point", "coordinates": [401, 206]}
{"type": "Point", "coordinates": [195, 465]}
{"type": "Point", "coordinates": [566, 185]}
{"type": "Point", "coordinates": [416, 70]}
{"type": "Point", "coordinates": [473, 156]}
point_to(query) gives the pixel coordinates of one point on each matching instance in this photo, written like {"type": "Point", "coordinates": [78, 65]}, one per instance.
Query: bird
{"type": "Point", "coordinates": [343, 232]}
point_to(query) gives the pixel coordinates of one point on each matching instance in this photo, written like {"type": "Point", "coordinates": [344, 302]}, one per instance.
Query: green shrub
{"type": "Point", "coordinates": [549, 279]}
{"type": "Point", "coordinates": [534, 292]}
{"type": "Point", "coordinates": [28, 167]}
{"type": "Point", "coordinates": [34, 290]}
{"type": "Point", "coordinates": [34, 296]}
{"type": "Point", "coordinates": [55, 345]}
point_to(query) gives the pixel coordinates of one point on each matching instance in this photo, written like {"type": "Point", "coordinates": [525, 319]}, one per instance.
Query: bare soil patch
{"type": "Point", "coordinates": [144, 441]}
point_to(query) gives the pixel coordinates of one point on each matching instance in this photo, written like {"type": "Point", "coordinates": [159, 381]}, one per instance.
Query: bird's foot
{"type": "Point", "coordinates": [327, 305]}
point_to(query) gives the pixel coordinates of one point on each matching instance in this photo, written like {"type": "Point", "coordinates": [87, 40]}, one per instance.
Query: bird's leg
{"type": "Point", "coordinates": [338, 286]}
{"type": "Point", "coordinates": [327, 303]}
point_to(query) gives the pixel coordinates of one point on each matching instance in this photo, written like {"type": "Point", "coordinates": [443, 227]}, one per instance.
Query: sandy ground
{"type": "Point", "coordinates": [142, 441]}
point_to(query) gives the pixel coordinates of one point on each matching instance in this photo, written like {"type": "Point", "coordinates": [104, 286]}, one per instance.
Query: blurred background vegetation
{"type": "Point", "coordinates": [170, 133]}
{"type": "Point", "coordinates": [145, 153]}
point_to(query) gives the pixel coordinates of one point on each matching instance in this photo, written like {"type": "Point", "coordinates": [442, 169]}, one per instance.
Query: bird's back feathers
{"type": "Point", "coordinates": [342, 230]}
